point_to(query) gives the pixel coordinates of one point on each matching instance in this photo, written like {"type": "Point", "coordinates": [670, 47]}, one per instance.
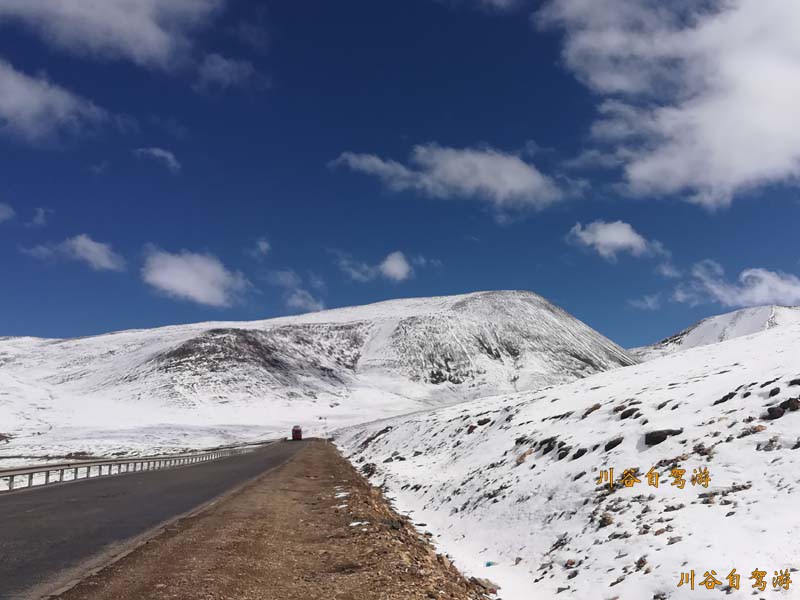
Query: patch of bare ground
{"type": "Point", "coordinates": [312, 528]}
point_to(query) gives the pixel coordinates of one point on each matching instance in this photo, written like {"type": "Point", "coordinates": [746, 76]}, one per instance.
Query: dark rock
{"type": "Point", "coordinates": [628, 413]}
{"type": "Point", "coordinates": [483, 422]}
{"type": "Point", "coordinates": [471, 428]}
{"type": "Point", "coordinates": [674, 540]}
{"type": "Point", "coordinates": [725, 398]}
{"type": "Point", "coordinates": [590, 410]}
{"type": "Point", "coordinates": [774, 392]}
{"type": "Point", "coordinates": [774, 412]}
{"type": "Point", "coordinates": [374, 436]}
{"type": "Point", "coordinates": [656, 437]}
{"type": "Point", "coordinates": [578, 453]}
{"type": "Point", "coordinates": [486, 584]}
{"type": "Point", "coordinates": [792, 404]}
{"type": "Point", "coordinates": [613, 443]}
{"type": "Point", "coordinates": [393, 523]}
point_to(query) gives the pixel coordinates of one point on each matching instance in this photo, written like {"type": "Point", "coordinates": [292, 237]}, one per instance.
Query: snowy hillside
{"type": "Point", "coordinates": [513, 480]}
{"type": "Point", "coordinates": [211, 383]}
{"type": "Point", "coordinates": [721, 328]}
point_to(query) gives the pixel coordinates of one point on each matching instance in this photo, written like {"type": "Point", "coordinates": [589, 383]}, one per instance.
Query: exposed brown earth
{"type": "Point", "coordinates": [289, 535]}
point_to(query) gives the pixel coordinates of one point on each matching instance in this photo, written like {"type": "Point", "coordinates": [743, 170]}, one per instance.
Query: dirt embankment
{"type": "Point", "coordinates": [311, 529]}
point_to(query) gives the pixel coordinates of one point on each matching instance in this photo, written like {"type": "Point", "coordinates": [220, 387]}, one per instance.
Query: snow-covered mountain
{"type": "Point", "coordinates": [509, 485]}
{"type": "Point", "coordinates": [721, 328]}
{"type": "Point", "coordinates": [201, 384]}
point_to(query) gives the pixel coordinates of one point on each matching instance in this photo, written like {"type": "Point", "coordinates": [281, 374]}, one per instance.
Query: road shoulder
{"type": "Point", "coordinates": [312, 528]}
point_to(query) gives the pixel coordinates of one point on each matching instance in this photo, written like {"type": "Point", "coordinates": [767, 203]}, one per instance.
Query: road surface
{"type": "Point", "coordinates": [290, 535]}
{"type": "Point", "coordinates": [51, 535]}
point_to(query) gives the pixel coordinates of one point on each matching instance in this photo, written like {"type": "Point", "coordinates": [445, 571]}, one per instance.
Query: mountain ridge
{"type": "Point", "coordinates": [721, 328]}
{"type": "Point", "coordinates": [345, 365]}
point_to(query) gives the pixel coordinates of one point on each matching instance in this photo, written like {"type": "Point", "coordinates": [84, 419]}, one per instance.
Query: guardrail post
{"type": "Point", "coordinates": [10, 483]}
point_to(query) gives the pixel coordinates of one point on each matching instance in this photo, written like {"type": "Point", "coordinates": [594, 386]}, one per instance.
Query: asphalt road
{"type": "Point", "coordinates": [50, 535]}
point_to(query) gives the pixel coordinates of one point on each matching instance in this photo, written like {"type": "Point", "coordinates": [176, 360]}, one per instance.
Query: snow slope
{"type": "Point", "coordinates": [197, 385]}
{"type": "Point", "coordinates": [513, 480]}
{"type": "Point", "coordinates": [721, 328]}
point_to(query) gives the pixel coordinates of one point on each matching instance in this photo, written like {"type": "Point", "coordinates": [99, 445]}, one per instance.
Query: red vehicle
{"type": "Point", "coordinates": [297, 433]}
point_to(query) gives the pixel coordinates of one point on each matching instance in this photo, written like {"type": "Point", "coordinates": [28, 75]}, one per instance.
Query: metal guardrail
{"type": "Point", "coordinates": [42, 475]}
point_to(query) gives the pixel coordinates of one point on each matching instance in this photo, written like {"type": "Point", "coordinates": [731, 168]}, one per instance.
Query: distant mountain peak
{"type": "Point", "coordinates": [721, 328]}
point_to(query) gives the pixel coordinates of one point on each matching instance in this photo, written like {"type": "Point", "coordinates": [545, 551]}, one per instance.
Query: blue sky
{"type": "Point", "coordinates": [182, 160]}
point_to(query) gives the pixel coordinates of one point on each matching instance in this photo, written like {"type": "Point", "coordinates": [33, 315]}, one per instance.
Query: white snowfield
{"type": "Point", "coordinates": [195, 386]}
{"type": "Point", "coordinates": [721, 328]}
{"type": "Point", "coordinates": [513, 480]}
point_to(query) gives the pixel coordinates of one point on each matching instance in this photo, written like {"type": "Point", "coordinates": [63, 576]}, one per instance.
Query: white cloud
{"type": "Point", "coordinates": [503, 180]}
{"type": "Point", "coordinates": [499, 5]}
{"type": "Point", "coordinates": [165, 157]}
{"type": "Point", "coordinates": [295, 296]}
{"type": "Point", "coordinates": [423, 261]}
{"type": "Point", "coordinates": [700, 96]}
{"type": "Point", "coordinates": [610, 239]}
{"type": "Point", "coordinates": [754, 287]}
{"type": "Point", "coordinates": [200, 278]}
{"type": "Point", "coordinates": [302, 300]}
{"type": "Point", "coordinates": [152, 33]}
{"type": "Point", "coordinates": [394, 267]}
{"type": "Point", "coordinates": [99, 256]}
{"type": "Point", "coordinates": [651, 303]}
{"type": "Point", "coordinates": [40, 217]}
{"type": "Point", "coordinates": [594, 158]}
{"type": "Point", "coordinates": [315, 281]}
{"type": "Point", "coordinates": [219, 72]}
{"type": "Point", "coordinates": [34, 109]}
{"type": "Point", "coordinates": [6, 212]}
{"type": "Point", "coordinates": [284, 279]}
{"type": "Point", "coordinates": [356, 270]}
{"type": "Point", "coordinates": [668, 270]}
{"type": "Point", "coordinates": [494, 6]}
{"type": "Point", "coordinates": [261, 249]}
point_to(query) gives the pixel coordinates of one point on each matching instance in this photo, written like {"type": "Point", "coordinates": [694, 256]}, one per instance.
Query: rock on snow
{"type": "Point", "coordinates": [513, 479]}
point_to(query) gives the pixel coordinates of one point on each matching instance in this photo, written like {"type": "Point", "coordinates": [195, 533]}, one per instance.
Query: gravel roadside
{"type": "Point", "coordinates": [312, 528]}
